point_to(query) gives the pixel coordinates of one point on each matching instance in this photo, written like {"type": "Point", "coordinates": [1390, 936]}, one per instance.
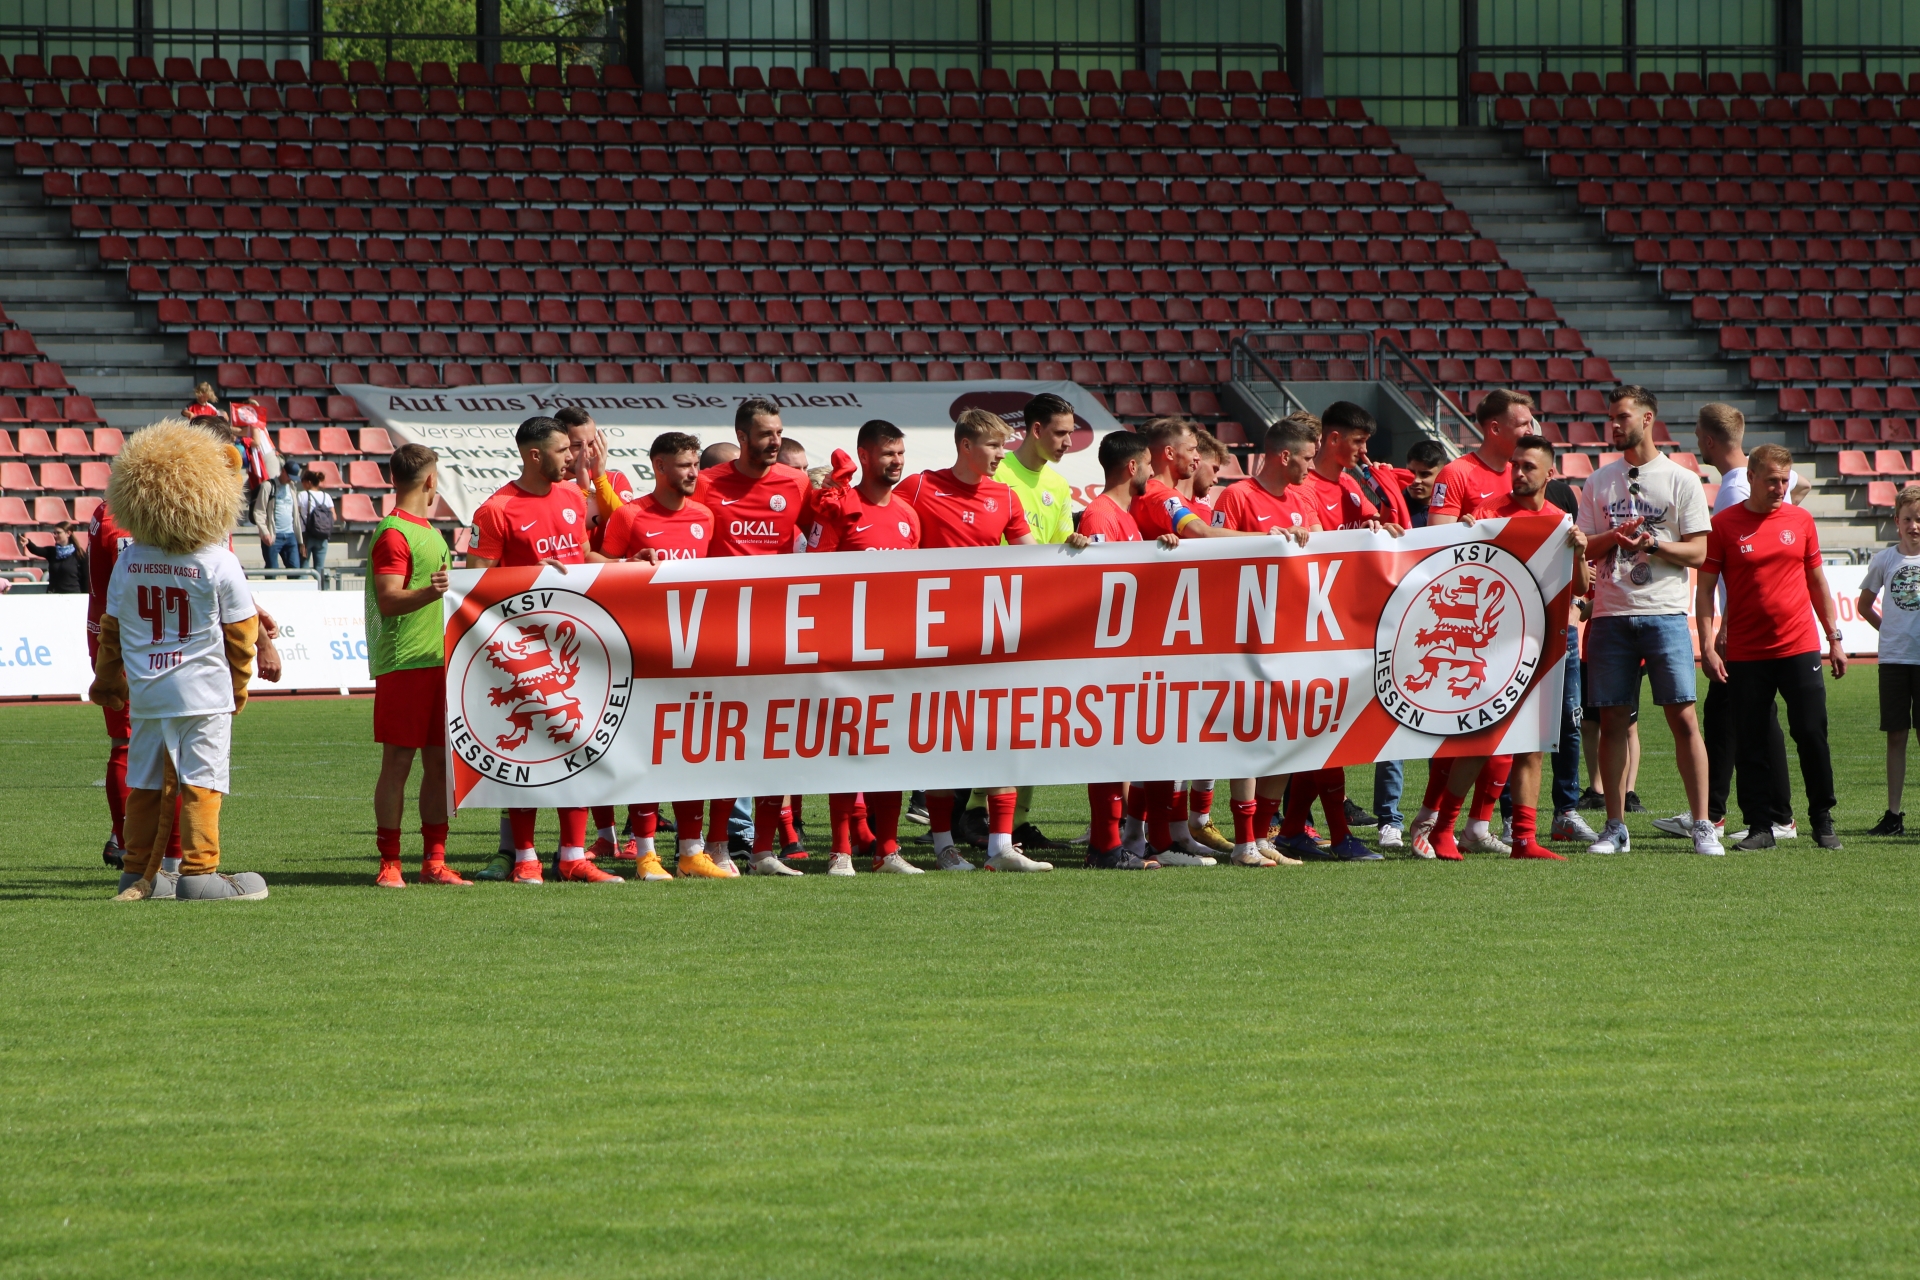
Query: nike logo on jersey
{"type": "Point", "coordinates": [654, 533]}
{"type": "Point", "coordinates": [528, 525]}
{"type": "Point", "coordinates": [727, 502]}
{"type": "Point", "coordinates": [861, 528]}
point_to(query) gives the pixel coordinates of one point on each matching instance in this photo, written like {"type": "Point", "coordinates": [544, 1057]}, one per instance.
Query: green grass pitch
{"type": "Point", "coordinates": [1654, 1064]}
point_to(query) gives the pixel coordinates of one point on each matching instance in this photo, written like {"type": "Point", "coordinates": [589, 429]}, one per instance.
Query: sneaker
{"type": "Point", "coordinates": [1591, 801]}
{"type": "Point", "coordinates": [441, 873]}
{"type": "Point", "coordinates": [894, 864]}
{"type": "Point", "coordinates": [1421, 836]}
{"type": "Point", "coordinates": [1823, 832]}
{"type": "Point", "coordinates": [1304, 847]}
{"type": "Point", "coordinates": [1181, 858]}
{"type": "Point", "coordinates": [1613, 839]}
{"type": "Point", "coordinates": [770, 864]}
{"type": "Point", "coordinates": [1751, 841]}
{"type": "Point", "coordinates": [1251, 857]}
{"type": "Point", "coordinates": [1633, 803]}
{"type": "Point", "coordinates": [1119, 859]}
{"type": "Point", "coordinates": [1489, 843]}
{"type": "Point", "coordinates": [1028, 836]}
{"type": "Point", "coordinates": [583, 871]}
{"type": "Point", "coordinates": [700, 866]}
{"type": "Point", "coordinates": [1680, 824]}
{"type": "Point", "coordinates": [917, 814]}
{"type": "Point", "coordinates": [1788, 830]}
{"type": "Point", "coordinates": [390, 877]}
{"type": "Point", "coordinates": [499, 867]}
{"type": "Point", "coordinates": [629, 851]}
{"type": "Point", "coordinates": [647, 867]}
{"type": "Point", "coordinates": [1351, 850]}
{"type": "Point", "coordinates": [247, 886]}
{"type": "Point", "coordinates": [114, 854]}
{"type": "Point", "coordinates": [1890, 824]}
{"type": "Point", "coordinates": [1014, 860]}
{"type": "Point", "coordinates": [527, 872]}
{"type": "Point", "coordinates": [1391, 837]}
{"type": "Point", "coordinates": [841, 864]}
{"type": "Point", "coordinates": [1208, 837]}
{"type": "Point", "coordinates": [951, 859]}
{"type": "Point", "coordinates": [604, 848]}
{"type": "Point", "coordinates": [728, 868]}
{"type": "Point", "coordinates": [1532, 850]}
{"type": "Point", "coordinates": [1706, 839]}
{"type": "Point", "coordinates": [1358, 817]}
{"type": "Point", "coordinates": [1571, 826]}
{"type": "Point", "coordinates": [1274, 854]}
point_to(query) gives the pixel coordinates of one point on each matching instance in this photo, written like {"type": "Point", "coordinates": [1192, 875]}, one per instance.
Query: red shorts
{"type": "Point", "coordinates": [410, 707]}
{"type": "Point", "coordinates": [119, 723]}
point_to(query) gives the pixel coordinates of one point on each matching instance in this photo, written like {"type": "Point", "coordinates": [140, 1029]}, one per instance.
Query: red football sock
{"type": "Point", "coordinates": [522, 822]}
{"type": "Point", "coordinates": [603, 816]}
{"type": "Point", "coordinates": [1158, 795]}
{"type": "Point", "coordinates": [1264, 809]}
{"type": "Point", "coordinates": [940, 813]}
{"type": "Point", "coordinates": [573, 828]}
{"type": "Point", "coordinates": [1244, 817]}
{"type": "Point", "coordinates": [1299, 805]}
{"type": "Point", "coordinates": [387, 840]}
{"type": "Point", "coordinates": [687, 818]}
{"type": "Point", "coordinates": [861, 830]}
{"type": "Point", "coordinates": [1105, 803]}
{"type": "Point", "coordinates": [1442, 838]}
{"type": "Point", "coordinates": [840, 820]}
{"type": "Point", "coordinates": [1437, 772]}
{"type": "Point", "coordinates": [1487, 788]}
{"type": "Point", "coordinates": [1200, 799]}
{"type": "Point", "coordinates": [883, 807]}
{"type": "Point", "coordinates": [766, 823]}
{"type": "Point", "coordinates": [1332, 785]}
{"type": "Point", "coordinates": [1000, 813]}
{"type": "Point", "coordinates": [433, 843]}
{"type": "Point", "coordinates": [1177, 805]}
{"type": "Point", "coordinates": [789, 833]}
{"type": "Point", "coordinates": [718, 812]}
{"type": "Point", "coordinates": [117, 789]}
{"type": "Point", "coordinates": [644, 819]}
{"type": "Point", "coordinates": [1137, 802]}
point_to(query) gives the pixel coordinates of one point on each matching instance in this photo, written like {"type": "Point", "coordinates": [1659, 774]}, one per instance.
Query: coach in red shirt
{"type": "Point", "coordinates": [1769, 551]}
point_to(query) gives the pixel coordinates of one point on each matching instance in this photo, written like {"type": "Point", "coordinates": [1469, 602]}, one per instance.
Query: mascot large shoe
{"type": "Point", "coordinates": [176, 649]}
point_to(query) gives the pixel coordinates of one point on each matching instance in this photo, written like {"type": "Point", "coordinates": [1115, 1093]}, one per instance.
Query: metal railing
{"type": "Point", "coordinates": [1281, 356]}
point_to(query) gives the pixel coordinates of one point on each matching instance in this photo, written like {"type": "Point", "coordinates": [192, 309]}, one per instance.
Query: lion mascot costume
{"type": "Point", "coordinates": [177, 645]}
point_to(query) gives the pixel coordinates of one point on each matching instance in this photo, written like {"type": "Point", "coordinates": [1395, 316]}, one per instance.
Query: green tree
{"type": "Point", "coordinates": [571, 22]}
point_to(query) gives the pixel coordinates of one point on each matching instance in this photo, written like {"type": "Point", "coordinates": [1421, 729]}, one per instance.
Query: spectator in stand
{"type": "Point", "coordinates": [205, 403]}
{"type": "Point", "coordinates": [66, 562]}
{"type": "Point", "coordinates": [1425, 457]}
{"type": "Point", "coordinates": [1896, 571]}
{"type": "Point", "coordinates": [1719, 431]}
{"type": "Point", "coordinates": [1766, 644]}
{"type": "Point", "coordinates": [1646, 522]}
{"type": "Point", "coordinates": [317, 517]}
{"type": "Point", "coordinates": [276, 516]}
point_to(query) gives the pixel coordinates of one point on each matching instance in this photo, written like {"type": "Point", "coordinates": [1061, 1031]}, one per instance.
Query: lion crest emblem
{"type": "Point", "coordinates": [1466, 619]}
{"type": "Point", "coordinates": [542, 669]}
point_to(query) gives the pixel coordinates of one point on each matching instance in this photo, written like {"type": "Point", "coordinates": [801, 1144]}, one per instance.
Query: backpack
{"type": "Point", "coordinates": [319, 522]}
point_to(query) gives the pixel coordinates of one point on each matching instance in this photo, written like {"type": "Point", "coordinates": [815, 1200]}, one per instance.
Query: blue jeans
{"type": "Point", "coordinates": [286, 546]}
{"type": "Point", "coordinates": [1566, 756]}
{"type": "Point", "coordinates": [1388, 777]}
{"type": "Point", "coordinates": [317, 554]}
{"type": "Point", "coordinates": [1618, 646]}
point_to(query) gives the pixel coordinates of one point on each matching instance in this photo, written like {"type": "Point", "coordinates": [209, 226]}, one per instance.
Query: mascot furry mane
{"type": "Point", "coordinates": [176, 486]}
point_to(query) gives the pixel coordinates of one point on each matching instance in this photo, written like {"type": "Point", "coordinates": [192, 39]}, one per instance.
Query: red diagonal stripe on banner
{"type": "Point", "coordinates": [1362, 741]}
{"type": "Point", "coordinates": [1525, 535]}
{"type": "Point", "coordinates": [494, 586]}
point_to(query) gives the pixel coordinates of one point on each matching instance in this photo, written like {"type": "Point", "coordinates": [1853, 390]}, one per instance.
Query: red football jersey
{"type": "Point", "coordinates": [1162, 509]}
{"type": "Point", "coordinates": [105, 541]}
{"type": "Point", "coordinates": [1764, 561]}
{"type": "Point", "coordinates": [1250, 508]}
{"type": "Point", "coordinates": [763, 517]}
{"type": "Point", "coordinates": [960, 515]}
{"type": "Point", "coordinates": [1105, 521]}
{"type": "Point", "coordinates": [850, 523]}
{"type": "Point", "coordinates": [1507, 505]}
{"type": "Point", "coordinates": [1339, 502]}
{"type": "Point", "coordinates": [517, 528]}
{"type": "Point", "coordinates": [685, 534]}
{"type": "Point", "coordinates": [1466, 484]}
{"type": "Point", "coordinates": [1203, 509]}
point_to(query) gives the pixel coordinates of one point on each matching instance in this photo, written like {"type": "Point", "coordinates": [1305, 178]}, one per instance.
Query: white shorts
{"type": "Point", "coordinates": [199, 747]}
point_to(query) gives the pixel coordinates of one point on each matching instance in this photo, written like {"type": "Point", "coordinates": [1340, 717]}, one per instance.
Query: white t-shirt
{"type": "Point", "coordinates": [1734, 488]}
{"type": "Point", "coordinates": [1669, 498]}
{"type": "Point", "coordinates": [171, 610]}
{"type": "Point", "coordinates": [1896, 579]}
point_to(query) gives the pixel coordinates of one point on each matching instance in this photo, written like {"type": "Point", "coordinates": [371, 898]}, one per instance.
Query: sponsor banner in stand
{"type": "Point", "coordinates": [43, 642]}
{"type": "Point", "coordinates": [1223, 658]}
{"type": "Point", "coordinates": [472, 427]}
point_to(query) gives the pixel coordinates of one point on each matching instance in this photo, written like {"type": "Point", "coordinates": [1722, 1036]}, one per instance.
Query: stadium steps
{"type": "Point", "coordinates": [110, 346]}
{"type": "Point", "coordinates": [1616, 304]}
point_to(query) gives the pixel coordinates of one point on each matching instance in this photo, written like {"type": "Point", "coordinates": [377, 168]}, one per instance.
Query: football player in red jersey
{"type": "Point", "coordinates": [866, 517]}
{"type": "Point", "coordinates": [539, 519]}
{"type": "Point", "coordinates": [1190, 815]}
{"type": "Point", "coordinates": [1531, 468]}
{"type": "Point", "coordinates": [761, 507]}
{"type": "Point", "coordinates": [1474, 479]}
{"type": "Point", "coordinates": [964, 506]}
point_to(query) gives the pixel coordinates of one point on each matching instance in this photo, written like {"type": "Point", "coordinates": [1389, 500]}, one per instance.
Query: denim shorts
{"type": "Point", "coordinates": [1618, 647]}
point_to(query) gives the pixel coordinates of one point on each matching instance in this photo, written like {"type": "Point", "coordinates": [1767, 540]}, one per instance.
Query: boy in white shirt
{"type": "Point", "coordinates": [1896, 570]}
{"type": "Point", "coordinates": [176, 649]}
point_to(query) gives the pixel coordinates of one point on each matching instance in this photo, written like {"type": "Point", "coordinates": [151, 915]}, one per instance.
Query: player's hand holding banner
{"type": "Point", "coordinates": [624, 682]}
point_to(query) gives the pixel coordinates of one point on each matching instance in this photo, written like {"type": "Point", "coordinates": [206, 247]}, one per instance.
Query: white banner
{"type": "Point", "coordinates": [471, 428]}
{"type": "Point", "coordinates": [43, 642]}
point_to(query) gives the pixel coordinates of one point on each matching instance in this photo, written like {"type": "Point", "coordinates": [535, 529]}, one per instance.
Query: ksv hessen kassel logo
{"type": "Point", "coordinates": [1460, 639]}
{"type": "Point", "coordinates": [543, 681]}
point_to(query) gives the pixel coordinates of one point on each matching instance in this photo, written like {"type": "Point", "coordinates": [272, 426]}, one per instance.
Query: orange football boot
{"type": "Point", "coordinates": [441, 873]}
{"type": "Point", "coordinates": [389, 877]}
{"type": "Point", "coordinates": [583, 870]}
{"type": "Point", "coordinates": [528, 873]}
